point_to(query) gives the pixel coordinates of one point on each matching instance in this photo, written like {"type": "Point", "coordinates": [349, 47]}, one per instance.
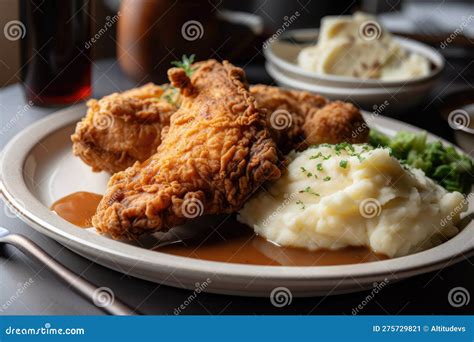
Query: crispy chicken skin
{"type": "Point", "coordinates": [286, 112]}
{"type": "Point", "coordinates": [215, 154]}
{"type": "Point", "coordinates": [122, 128]}
{"type": "Point", "coordinates": [334, 123]}
{"type": "Point", "coordinates": [125, 127]}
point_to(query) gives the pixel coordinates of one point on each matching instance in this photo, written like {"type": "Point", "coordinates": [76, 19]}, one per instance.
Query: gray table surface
{"type": "Point", "coordinates": [45, 295]}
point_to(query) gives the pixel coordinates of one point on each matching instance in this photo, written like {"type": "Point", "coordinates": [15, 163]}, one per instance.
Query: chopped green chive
{"type": "Point", "coordinates": [316, 156]}
{"type": "Point", "coordinates": [343, 164]}
{"type": "Point", "coordinates": [301, 204]}
{"type": "Point", "coordinates": [309, 191]}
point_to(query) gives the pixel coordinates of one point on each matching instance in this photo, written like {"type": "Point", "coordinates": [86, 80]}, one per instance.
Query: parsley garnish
{"type": "Point", "coordinates": [186, 64]}
{"type": "Point", "coordinates": [319, 167]}
{"type": "Point", "coordinates": [343, 164]}
{"type": "Point", "coordinates": [327, 179]}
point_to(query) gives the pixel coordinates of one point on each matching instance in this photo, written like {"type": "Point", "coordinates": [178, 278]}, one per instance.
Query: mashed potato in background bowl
{"type": "Point", "coordinates": [335, 196]}
{"type": "Point", "coordinates": [358, 46]}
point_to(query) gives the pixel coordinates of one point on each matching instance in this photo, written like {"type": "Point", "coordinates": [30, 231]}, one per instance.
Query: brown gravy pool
{"type": "Point", "coordinates": [238, 244]}
{"type": "Point", "coordinates": [233, 242]}
{"type": "Point", "coordinates": [77, 208]}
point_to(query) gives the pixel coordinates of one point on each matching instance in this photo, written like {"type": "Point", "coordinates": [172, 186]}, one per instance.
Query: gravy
{"type": "Point", "coordinates": [238, 244]}
{"type": "Point", "coordinates": [77, 208]}
{"type": "Point", "coordinates": [233, 242]}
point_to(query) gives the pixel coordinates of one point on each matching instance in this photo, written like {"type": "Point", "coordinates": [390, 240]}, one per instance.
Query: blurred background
{"type": "Point", "coordinates": [233, 29]}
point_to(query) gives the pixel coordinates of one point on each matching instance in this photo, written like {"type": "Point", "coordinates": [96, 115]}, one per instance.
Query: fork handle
{"type": "Point", "coordinates": [80, 285]}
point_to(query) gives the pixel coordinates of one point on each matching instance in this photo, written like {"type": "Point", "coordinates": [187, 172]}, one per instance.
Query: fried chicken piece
{"type": "Point", "coordinates": [114, 134]}
{"type": "Point", "coordinates": [334, 123]}
{"type": "Point", "coordinates": [215, 154]}
{"type": "Point", "coordinates": [287, 111]}
{"type": "Point", "coordinates": [123, 127]}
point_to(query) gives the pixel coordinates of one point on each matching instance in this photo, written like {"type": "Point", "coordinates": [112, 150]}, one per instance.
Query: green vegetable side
{"type": "Point", "coordinates": [453, 171]}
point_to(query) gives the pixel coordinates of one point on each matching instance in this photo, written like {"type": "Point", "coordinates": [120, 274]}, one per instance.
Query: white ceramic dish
{"type": "Point", "coordinates": [38, 167]}
{"type": "Point", "coordinates": [283, 52]}
{"type": "Point", "coordinates": [398, 98]}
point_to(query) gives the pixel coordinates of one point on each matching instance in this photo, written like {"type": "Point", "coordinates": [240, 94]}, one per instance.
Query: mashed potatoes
{"type": "Point", "coordinates": [334, 196]}
{"type": "Point", "coordinates": [358, 46]}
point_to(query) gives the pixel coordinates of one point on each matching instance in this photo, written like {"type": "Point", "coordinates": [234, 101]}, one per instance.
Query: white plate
{"type": "Point", "coordinates": [38, 168]}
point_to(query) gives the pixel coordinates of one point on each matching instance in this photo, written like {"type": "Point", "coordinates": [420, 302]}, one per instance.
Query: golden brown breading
{"type": "Point", "coordinates": [334, 123]}
{"type": "Point", "coordinates": [122, 128]}
{"type": "Point", "coordinates": [286, 112]}
{"type": "Point", "coordinates": [125, 137]}
{"type": "Point", "coordinates": [215, 154]}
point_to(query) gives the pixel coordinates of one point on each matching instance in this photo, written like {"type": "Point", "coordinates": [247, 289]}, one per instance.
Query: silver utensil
{"type": "Point", "coordinates": [80, 285]}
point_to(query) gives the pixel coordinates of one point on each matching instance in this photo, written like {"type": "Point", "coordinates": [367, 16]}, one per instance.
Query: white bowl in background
{"type": "Point", "coordinates": [283, 52]}
{"type": "Point", "coordinates": [399, 98]}
{"type": "Point", "coordinates": [281, 55]}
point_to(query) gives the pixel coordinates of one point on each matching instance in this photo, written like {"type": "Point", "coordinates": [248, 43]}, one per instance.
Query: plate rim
{"type": "Point", "coordinates": [15, 190]}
